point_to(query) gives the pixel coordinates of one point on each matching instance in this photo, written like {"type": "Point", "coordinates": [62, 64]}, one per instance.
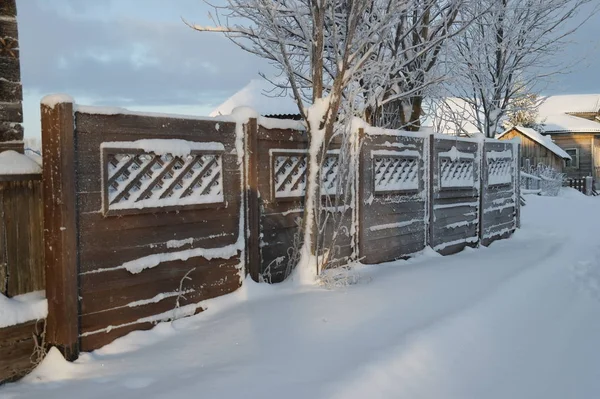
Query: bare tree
{"type": "Point", "coordinates": [414, 49]}
{"type": "Point", "coordinates": [329, 56]}
{"type": "Point", "coordinates": [508, 52]}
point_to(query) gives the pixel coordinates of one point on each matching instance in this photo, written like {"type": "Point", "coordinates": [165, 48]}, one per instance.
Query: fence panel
{"type": "Point", "coordinates": [454, 197]}
{"type": "Point", "coordinates": [281, 165]}
{"type": "Point", "coordinates": [499, 201]}
{"type": "Point", "coordinates": [158, 206]}
{"type": "Point", "coordinates": [392, 195]}
{"type": "Point", "coordinates": [21, 241]}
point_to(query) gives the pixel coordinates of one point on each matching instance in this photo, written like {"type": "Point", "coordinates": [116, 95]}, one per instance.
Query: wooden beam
{"type": "Point", "coordinates": [11, 131]}
{"type": "Point", "coordinates": [8, 8]}
{"type": "Point", "coordinates": [11, 112]}
{"type": "Point", "coordinates": [252, 208]}
{"type": "Point", "coordinates": [431, 191]}
{"type": "Point", "coordinates": [60, 234]}
{"type": "Point", "coordinates": [13, 146]}
{"type": "Point", "coordinates": [10, 68]}
{"type": "Point", "coordinates": [10, 92]}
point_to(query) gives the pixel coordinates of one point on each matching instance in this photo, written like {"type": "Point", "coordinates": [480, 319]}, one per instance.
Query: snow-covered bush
{"type": "Point", "coordinates": [542, 180]}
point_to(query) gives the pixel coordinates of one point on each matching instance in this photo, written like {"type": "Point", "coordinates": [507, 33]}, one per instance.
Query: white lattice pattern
{"type": "Point", "coordinates": [289, 175]}
{"type": "Point", "coordinates": [458, 173]}
{"type": "Point", "coordinates": [500, 171]}
{"type": "Point", "coordinates": [395, 174]}
{"type": "Point", "coordinates": [147, 180]}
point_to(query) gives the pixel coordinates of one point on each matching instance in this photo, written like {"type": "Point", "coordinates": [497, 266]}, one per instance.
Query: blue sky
{"type": "Point", "coordinates": [138, 54]}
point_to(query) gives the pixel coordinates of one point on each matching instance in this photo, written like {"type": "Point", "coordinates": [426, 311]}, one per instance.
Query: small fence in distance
{"type": "Point", "coordinates": [585, 185]}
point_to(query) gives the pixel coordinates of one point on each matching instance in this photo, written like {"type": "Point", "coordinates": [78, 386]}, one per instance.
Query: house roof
{"type": "Point", "coordinates": [554, 113]}
{"type": "Point", "coordinates": [536, 136]}
{"type": "Point", "coordinates": [256, 95]}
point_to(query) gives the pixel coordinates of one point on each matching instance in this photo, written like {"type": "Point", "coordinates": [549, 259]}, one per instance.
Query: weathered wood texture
{"type": "Point", "coordinates": [21, 241]}
{"type": "Point", "coordinates": [280, 181]}
{"type": "Point", "coordinates": [534, 152]}
{"type": "Point", "coordinates": [499, 205]}
{"type": "Point", "coordinates": [280, 218]}
{"type": "Point", "coordinates": [114, 301]}
{"type": "Point", "coordinates": [392, 216]}
{"type": "Point", "coordinates": [60, 224]}
{"type": "Point", "coordinates": [11, 93]}
{"type": "Point", "coordinates": [583, 142]}
{"type": "Point", "coordinates": [17, 346]}
{"type": "Point", "coordinates": [455, 193]}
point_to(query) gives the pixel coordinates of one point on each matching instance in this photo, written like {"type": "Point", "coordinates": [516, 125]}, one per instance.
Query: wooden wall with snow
{"type": "Point", "coordinates": [147, 215]}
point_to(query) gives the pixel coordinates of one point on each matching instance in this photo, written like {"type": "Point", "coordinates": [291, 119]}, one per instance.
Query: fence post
{"type": "Point", "coordinates": [360, 199]}
{"type": "Point", "coordinates": [431, 190]}
{"type": "Point", "coordinates": [483, 187]}
{"type": "Point", "coordinates": [588, 185]}
{"type": "Point", "coordinates": [60, 235]}
{"type": "Point", "coordinates": [252, 208]}
{"type": "Point", "coordinates": [517, 187]}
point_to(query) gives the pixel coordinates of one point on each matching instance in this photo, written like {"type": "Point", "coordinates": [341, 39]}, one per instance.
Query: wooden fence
{"type": "Point", "coordinates": [21, 266]}
{"type": "Point", "coordinates": [21, 244]}
{"type": "Point", "coordinates": [145, 216]}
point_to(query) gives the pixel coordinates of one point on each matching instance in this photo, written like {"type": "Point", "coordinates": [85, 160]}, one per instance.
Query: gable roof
{"type": "Point", "coordinates": [555, 113]}
{"type": "Point", "coordinates": [256, 95]}
{"type": "Point", "coordinates": [536, 136]}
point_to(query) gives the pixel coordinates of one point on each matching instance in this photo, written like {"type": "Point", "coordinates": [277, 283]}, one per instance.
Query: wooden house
{"type": "Point", "coordinates": [573, 123]}
{"type": "Point", "coordinates": [537, 149]}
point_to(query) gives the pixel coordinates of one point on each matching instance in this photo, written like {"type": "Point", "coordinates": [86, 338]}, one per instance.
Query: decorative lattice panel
{"type": "Point", "coordinates": [289, 174]}
{"type": "Point", "coordinates": [138, 180]}
{"type": "Point", "coordinates": [457, 173]}
{"type": "Point", "coordinates": [395, 174]}
{"type": "Point", "coordinates": [500, 171]}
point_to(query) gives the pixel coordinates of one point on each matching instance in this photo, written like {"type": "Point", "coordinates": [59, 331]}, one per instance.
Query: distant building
{"type": "Point", "coordinates": [536, 148]}
{"type": "Point", "coordinates": [573, 123]}
{"type": "Point", "coordinates": [260, 96]}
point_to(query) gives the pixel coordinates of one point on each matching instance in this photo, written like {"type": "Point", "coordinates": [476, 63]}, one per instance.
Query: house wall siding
{"type": "Point", "coordinates": [534, 152]}
{"type": "Point", "coordinates": [582, 142]}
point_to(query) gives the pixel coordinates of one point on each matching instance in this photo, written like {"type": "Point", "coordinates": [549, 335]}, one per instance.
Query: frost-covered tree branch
{"type": "Point", "coordinates": [508, 52]}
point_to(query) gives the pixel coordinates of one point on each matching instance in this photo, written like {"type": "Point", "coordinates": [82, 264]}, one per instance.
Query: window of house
{"type": "Point", "coordinates": [574, 161]}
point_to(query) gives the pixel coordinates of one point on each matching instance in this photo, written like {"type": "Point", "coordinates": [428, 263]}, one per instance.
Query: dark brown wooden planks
{"type": "Point", "coordinates": [60, 234]}
{"type": "Point", "coordinates": [22, 243]}
{"type": "Point", "coordinates": [16, 348]}
{"type": "Point", "coordinates": [115, 301]}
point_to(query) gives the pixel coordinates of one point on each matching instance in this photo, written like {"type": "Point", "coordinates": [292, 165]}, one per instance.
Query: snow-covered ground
{"type": "Point", "coordinates": [520, 319]}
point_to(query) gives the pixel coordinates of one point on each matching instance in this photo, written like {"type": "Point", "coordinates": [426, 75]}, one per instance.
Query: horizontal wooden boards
{"type": "Point", "coordinates": [392, 225]}
{"type": "Point", "coordinates": [16, 348]}
{"type": "Point", "coordinates": [115, 301]}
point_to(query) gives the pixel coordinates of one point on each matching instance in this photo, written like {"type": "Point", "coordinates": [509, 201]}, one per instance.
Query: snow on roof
{"type": "Point", "coordinates": [13, 163]}
{"type": "Point", "coordinates": [554, 112]}
{"type": "Point", "coordinates": [257, 96]}
{"type": "Point", "coordinates": [540, 139]}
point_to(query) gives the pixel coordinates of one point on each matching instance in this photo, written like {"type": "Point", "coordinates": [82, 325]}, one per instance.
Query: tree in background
{"type": "Point", "coordinates": [414, 49]}
{"type": "Point", "coordinates": [507, 52]}
{"type": "Point", "coordinates": [523, 111]}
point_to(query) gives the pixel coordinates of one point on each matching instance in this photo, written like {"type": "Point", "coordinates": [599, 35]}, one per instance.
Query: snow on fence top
{"type": "Point", "coordinates": [175, 147]}
{"type": "Point", "coordinates": [22, 308]}
{"type": "Point", "coordinates": [13, 163]}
